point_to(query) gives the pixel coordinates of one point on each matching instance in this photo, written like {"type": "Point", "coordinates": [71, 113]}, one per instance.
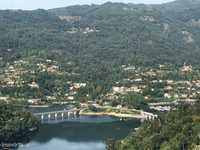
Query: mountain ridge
{"type": "Point", "coordinates": [150, 33]}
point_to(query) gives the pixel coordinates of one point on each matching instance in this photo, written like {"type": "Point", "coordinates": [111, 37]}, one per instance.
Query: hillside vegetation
{"type": "Point", "coordinates": [177, 130]}
{"type": "Point", "coordinates": [112, 33]}
{"type": "Point", "coordinates": [112, 53]}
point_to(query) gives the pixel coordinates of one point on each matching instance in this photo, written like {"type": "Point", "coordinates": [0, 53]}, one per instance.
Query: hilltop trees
{"type": "Point", "coordinates": [177, 130]}
{"type": "Point", "coordinates": [16, 124]}
{"type": "Point", "coordinates": [134, 100]}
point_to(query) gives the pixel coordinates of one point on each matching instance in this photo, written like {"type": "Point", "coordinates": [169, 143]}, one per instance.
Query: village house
{"type": "Point", "coordinates": [197, 83]}
{"type": "Point", "coordinates": [134, 89]}
{"type": "Point", "coordinates": [3, 98]}
{"type": "Point", "coordinates": [88, 30]}
{"type": "Point", "coordinates": [183, 96]}
{"type": "Point", "coordinates": [129, 68]}
{"type": "Point", "coordinates": [118, 89]}
{"type": "Point", "coordinates": [52, 69]}
{"type": "Point", "coordinates": [70, 18]}
{"type": "Point", "coordinates": [138, 80]}
{"type": "Point", "coordinates": [119, 106]}
{"type": "Point", "coordinates": [161, 108]}
{"type": "Point", "coordinates": [10, 82]}
{"type": "Point", "coordinates": [147, 18]}
{"type": "Point", "coordinates": [169, 82]}
{"type": "Point", "coordinates": [33, 85]}
{"type": "Point", "coordinates": [48, 60]}
{"type": "Point", "coordinates": [79, 85]}
{"type": "Point", "coordinates": [72, 93]}
{"type": "Point", "coordinates": [111, 96]}
{"type": "Point", "coordinates": [168, 88]}
{"type": "Point", "coordinates": [41, 66]}
{"type": "Point", "coordinates": [50, 98]}
{"type": "Point", "coordinates": [34, 101]}
{"type": "Point", "coordinates": [167, 95]}
{"type": "Point", "coordinates": [70, 98]}
{"type": "Point", "coordinates": [186, 68]}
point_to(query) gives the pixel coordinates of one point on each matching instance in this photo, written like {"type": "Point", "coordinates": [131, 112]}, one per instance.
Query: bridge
{"type": "Point", "coordinates": [73, 114]}
{"type": "Point", "coordinates": [54, 115]}
{"type": "Point", "coordinates": [148, 116]}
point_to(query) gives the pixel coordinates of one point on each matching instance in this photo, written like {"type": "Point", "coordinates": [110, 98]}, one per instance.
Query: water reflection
{"type": "Point", "coordinates": [79, 135]}
{"type": "Point", "coordinates": [64, 145]}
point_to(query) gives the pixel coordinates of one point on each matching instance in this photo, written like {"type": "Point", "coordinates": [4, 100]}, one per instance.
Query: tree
{"type": "Point", "coordinates": [16, 124]}
{"type": "Point", "coordinates": [134, 100]}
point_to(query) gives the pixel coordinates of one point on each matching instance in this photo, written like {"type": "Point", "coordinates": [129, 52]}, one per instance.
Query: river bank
{"type": "Point", "coordinates": [80, 135]}
{"type": "Point", "coordinates": [123, 113]}
{"type": "Point", "coordinates": [112, 114]}
{"type": "Point", "coordinates": [97, 110]}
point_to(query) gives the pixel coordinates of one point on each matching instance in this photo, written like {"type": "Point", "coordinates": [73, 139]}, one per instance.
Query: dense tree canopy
{"type": "Point", "coordinates": [177, 130]}
{"type": "Point", "coordinates": [16, 124]}
{"type": "Point", "coordinates": [98, 39]}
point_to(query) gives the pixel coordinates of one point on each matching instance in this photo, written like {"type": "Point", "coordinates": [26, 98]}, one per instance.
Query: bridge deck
{"type": "Point", "coordinates": [54, 112]}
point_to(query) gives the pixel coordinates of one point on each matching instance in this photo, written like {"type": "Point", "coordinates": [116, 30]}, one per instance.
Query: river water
{"type": "Point", "coordinates": [90, 133]}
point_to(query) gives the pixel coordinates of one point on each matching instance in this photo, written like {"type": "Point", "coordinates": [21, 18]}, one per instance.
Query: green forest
{"type": "Point", "coordinates": [177, 130]}
{"type": "Point", "coordinates": [16, 124]}
{"type": "Point", "coordinates": [44, 52]}
{"type": "Point", "coordinates": [98, 39]}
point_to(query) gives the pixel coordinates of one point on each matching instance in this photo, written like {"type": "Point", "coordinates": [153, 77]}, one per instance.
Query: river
{"type": "Point", "coordinates": [90, 133]}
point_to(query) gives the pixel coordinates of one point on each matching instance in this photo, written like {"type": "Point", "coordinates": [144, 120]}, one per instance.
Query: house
{"type": "Point", "coordinates": [48, 60]}
{"type": "Point", "coordinates": [52, 68]}
{"type": "Point", "coordinates": [70, 18]}
{"type": "Point", "coordinates": [138, 80]}
{"type": "Point", "coordinates": [10, 83]}
{"type": "Point", "coordinates": [130, 68]}
{"type": "Point", "coordinates": [134, 89]}
{"type": "Point", "coordinates": [169, 82]}
{"type": "Point", "coordinates": [88, 30]}
{"type": "Point", "coordinates": [119, 106]}
{"type": "Point", "coordinates": [168, 88]}
{"type": "Point", "coordinates": [186, 68]}
{"type": "Point", "coordinates": [33, 85]}
{"type": "Point", "coordinates": [161, 66]}
{"type": "Point", "coordinates": [79, 85]}
{"type": "Point", "coordinates": [118, 89]}
{"type": "Point", "coordinates": [70, 97]}
{"type": "Point", "coordinates": [147, 18]}
{"type": "Point", "coordinates": [155, 81]}
{"type": "Point", "coordinates": [34, 101]}
{"type": "Point", "coordinates": [167, 95]}
{"type": "Point", "coordinates": [161, 108]}
{"type": "Point", "coordinates": [72, 93]}
{"type": "Point", "coordinates": [4, 99]}
{"type": "Point", "coordinates": [176, 96]}
{"type": "Point", "coordinates": [11, 69]}
{"type": "Point", "coordinates": [184, 96]}
{"type": "Point", "coordinates": [106, 103]}
{"type": "Point", "coordinates": [50, 98]}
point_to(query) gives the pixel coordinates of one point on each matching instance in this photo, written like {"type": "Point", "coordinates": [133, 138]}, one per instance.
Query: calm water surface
{"type": "Point", "coordinates": [88, 134]}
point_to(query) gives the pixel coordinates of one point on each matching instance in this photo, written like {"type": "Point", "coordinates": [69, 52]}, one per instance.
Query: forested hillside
{"type": "Point", "coordinates": [151, 33]}
{"type": "Point", "coordinates": [94, 41]}
{"type": "Point", "coordinates": [177, 130]}
{"type": "Point", "coordinates": [118, 55]}
{"type": "Point", "coordinates": [112, 32]}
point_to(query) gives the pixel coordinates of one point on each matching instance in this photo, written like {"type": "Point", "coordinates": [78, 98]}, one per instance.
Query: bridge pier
{"type": "Point", "coordinates": [64, 114]}
{"type": "Point", "coordinates": [56, 115]}
{"type": "Point", "coordinates": [74, 114]}
{"type": "Point", "coordinates": [148, 116]}
{"type": "Point", "coordinates": [42, 117]}
{"type": "Point", "coordinates": [49, 116]}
